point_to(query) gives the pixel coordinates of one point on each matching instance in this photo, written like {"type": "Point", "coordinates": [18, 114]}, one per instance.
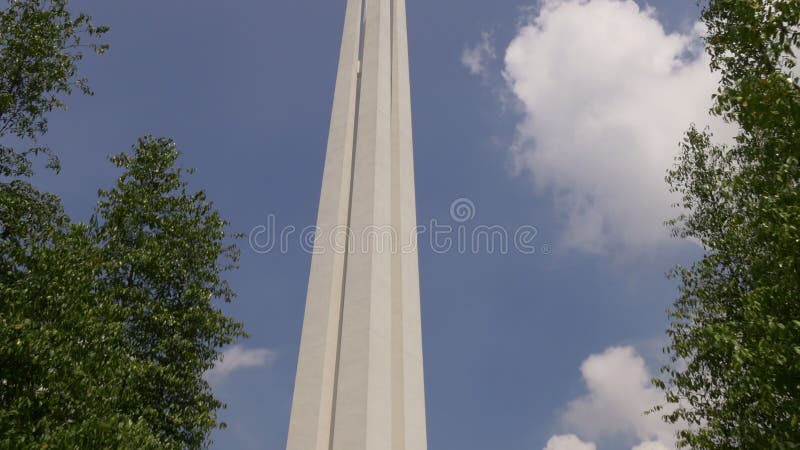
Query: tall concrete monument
{"type": "Point", "coordinates": [359, 382]}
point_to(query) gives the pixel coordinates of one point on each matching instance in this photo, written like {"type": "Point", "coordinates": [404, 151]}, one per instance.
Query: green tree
{"type": "Point", "coordinates": [62, 351]}
{"type": "Point", "coordinates": [41, 43]}
{"type": "Point", "coordinates": [106, 328]}
{"type": "Point", "coordinates": [735, 329]}
{"type": "Point", "coordinates": [165, 251]}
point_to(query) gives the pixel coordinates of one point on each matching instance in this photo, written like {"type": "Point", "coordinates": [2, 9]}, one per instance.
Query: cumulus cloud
{"type": "Point", "coordinates": [651, 446]}
{"type": "Point", "coordinates": [606, 95]}
{"type": "Point", "coordinates": [619, 393]}
{"type": "Point", "coordinates": [237, 358]}
{"type": "Point", "coordinates": [478, 57]}
{"type": "Point", "coordinates": [568, 442]}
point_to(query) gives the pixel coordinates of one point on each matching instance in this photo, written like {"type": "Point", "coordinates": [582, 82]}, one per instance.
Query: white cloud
{"type": "Point", "coordinates": [607, 94]}
{"type": "Point", "coordinates": [651, 446]}
{"type": "Point", "coordinates": [619, 393]}
{"type": "Point", "coordinates": [236, 358]}
{"type": "Point", "coordinates": [477, 58]}
{"type": "Point", "coordinates": [568, 442]}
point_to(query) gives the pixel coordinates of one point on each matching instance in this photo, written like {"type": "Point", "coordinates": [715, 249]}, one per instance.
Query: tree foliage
{"type": "Point", "coordinates": [41, 43]}
{"type": "Point", "coordinates": [106, 327]}
{"type": "Point", "coordinates": [735, 329]}
{"type": "Point", "coordinates": [165, 251]}
{"type": "Point", "coordinates": [61, 348]}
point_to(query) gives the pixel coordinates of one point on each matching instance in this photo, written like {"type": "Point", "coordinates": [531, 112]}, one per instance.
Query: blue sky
{"type": "Point", "coordinates": [562, 115]}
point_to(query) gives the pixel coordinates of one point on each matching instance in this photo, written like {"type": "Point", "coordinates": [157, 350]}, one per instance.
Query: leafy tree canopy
{"type": "Point", "coordinates": [106, 328]}
{"type": "Point", "coordinates": [41, 44]}
{"type": "Point", "coordinates": [735, 330]}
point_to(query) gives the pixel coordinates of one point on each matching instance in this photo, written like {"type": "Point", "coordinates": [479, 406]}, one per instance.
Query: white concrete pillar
{"type": "Point", "coordinates": [359, 382]}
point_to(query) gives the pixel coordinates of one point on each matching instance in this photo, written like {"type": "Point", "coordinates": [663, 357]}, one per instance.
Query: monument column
{"type": "Point", "coordinates": [359, 383]}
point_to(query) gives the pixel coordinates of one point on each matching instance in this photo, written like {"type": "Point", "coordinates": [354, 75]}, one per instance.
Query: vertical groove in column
{"type": "Point", "coordinates": [347, 230]}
